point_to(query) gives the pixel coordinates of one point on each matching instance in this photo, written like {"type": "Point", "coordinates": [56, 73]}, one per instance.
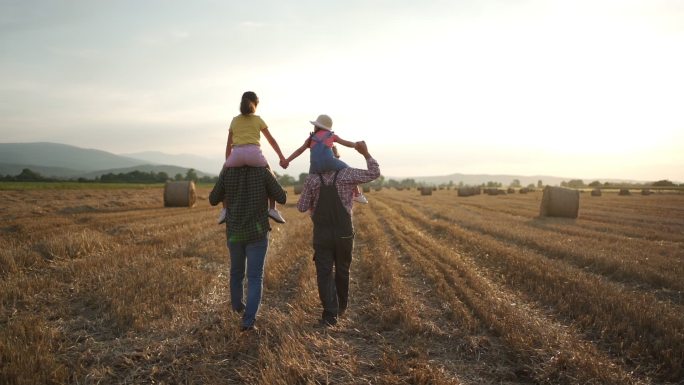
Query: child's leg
{"type": "Point", "coordinates": [359, 197]}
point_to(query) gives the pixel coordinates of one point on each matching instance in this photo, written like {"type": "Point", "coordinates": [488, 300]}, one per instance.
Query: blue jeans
{"type": "Point", "coordinates": [249, 257]}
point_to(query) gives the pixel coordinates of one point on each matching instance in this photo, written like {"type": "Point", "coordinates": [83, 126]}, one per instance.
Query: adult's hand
{"type": "Point", "coordinates": [284, 163]}
{"type": "Point", "coordinates": [362, 148]}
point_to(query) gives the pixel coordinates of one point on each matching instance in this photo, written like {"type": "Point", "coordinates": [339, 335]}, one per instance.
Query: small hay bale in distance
{"type": "Point", "coordinates": [366, 188]}
{"type": "Point", "coordinates": [510, 190]}
{"type": "Point", "coordinates": [596, 192]}
{"type": "Point", "coordinates": [524, 190]}
{"type": "Point", "coordinates": [298, 189]}
{"type": "Point", "coordinates": [559, 202]}
{"type": "Point", "coordinates": [646, 192]}
{"type": "Point", "coordinates": [624, 191]}
{"type": "Point", "coordinates": [467, 191]}
{"type": "Point", "coordinates": [180, 194]}
{"type": "Point", "coordinates": [496, 191]}
{"type": "Point", "coordinates": [426, 191]}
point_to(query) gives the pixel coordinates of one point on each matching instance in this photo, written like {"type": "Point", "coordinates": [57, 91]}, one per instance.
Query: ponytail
{"type": "Point", "coordinates": [248, 103]}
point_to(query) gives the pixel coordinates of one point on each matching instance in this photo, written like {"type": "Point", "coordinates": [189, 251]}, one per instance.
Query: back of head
{"type": "Point", "coordinates": [248, 103]}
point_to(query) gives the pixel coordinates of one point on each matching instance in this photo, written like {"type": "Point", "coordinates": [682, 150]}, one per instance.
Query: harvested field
{"type": "Point", "coordinates": [109, 287]}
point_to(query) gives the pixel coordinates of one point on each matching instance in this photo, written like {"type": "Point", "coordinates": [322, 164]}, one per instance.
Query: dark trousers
{"type": "Point", "coordinates": [332, 256]}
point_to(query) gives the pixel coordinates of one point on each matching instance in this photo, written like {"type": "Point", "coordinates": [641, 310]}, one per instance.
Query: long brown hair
{"type": "Point", "coordinates": [248, 103]}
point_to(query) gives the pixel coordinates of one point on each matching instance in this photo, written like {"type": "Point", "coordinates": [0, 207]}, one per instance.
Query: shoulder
{"type": "Point", "coordinates": [259, 120]}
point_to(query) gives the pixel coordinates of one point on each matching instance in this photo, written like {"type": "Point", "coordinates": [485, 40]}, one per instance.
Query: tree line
{"type": "Point", "coordinates": [27, 175]}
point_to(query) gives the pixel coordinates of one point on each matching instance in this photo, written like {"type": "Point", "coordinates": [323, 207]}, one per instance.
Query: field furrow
{"type": "Point", "coordinates": [542, 346]}
{"type": "Point", "coordinates": [645, 332]}
{"type": "Point", "coordinates": [618, 258]}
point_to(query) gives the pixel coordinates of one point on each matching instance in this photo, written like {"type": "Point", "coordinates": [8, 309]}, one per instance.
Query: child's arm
{"type": "Point", "coordinates": [345, 143]}
{"type": "Point", "coordinates": [274, 144]}
{"type": "Point", "coordinates": [229, 145]}
{"type": "Point", "coordinates": [298, 151]}
{"type": "Point", "coordinates": [335, 153]}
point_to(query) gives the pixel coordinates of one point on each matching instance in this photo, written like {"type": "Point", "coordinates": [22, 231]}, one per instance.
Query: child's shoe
{"type": "Point", "coordinates": [222, 216]}
{"type": "Point", "coordinates": [275, 215]}
{"type": "Point", "coordinates": [361, 199]}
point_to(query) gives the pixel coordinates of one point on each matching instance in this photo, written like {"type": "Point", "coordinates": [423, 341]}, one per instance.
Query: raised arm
{"type": "Point", "coordinates": [273, 143]}
{"type": "Point", "coordinates": [345, 143]}
{"type": "Point", "coordinates": [359, 176]}
{"type": "Point", "coordinates": [299, 151]}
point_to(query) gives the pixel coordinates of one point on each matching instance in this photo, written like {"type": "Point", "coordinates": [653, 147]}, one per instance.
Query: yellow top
{"type": "Point", "coordinates": [247, 129]}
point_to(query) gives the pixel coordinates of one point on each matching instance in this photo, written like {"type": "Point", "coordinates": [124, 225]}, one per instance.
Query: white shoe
{"type": "Point", "coordinates": [275, 215]}
{"type": "Point", "coordinates": [361, 199]}
{"type": "Point", "coordinates": [222, 216]}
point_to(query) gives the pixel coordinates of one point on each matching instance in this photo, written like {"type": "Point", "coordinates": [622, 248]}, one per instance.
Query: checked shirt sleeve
{"type": "Point", "coordinates": [309, 193]}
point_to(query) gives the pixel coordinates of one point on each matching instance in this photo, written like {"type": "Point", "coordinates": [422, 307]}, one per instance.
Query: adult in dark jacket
{"type": "Point", "coordinates": [247, 191]}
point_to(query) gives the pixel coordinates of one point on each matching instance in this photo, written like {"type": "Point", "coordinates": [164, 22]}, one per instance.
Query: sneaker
{"type": "Point", "coordinates": [248, 328]}
{"type": "Point", "coordinates": [361, 199]}
{"type": "Point", "coordinates": [275, 215]}
{"type": "Point", "coordinates": [222, 216]}
{"type": "Point", "coordinates": [326, 322]}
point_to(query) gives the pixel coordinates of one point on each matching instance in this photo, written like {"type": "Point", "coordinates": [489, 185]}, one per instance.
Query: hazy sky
{"type": "Point", "coordinates": [587, 89]}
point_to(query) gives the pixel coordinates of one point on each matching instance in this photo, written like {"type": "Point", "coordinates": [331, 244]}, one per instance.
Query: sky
{"type": "Point", "coordinates": [579, 89]}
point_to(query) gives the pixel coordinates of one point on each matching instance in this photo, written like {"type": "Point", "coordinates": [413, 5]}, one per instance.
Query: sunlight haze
{"type": "Point", "coordinates": [581, 89]}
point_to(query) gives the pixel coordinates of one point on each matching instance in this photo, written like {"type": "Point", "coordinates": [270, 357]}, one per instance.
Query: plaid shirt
{"type": "Point", "coordinates": [247, 190]}
{"type": "Point", "coordinates": [347, 180]}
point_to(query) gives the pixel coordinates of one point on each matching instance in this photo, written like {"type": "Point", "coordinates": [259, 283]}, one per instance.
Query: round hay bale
{"type": "Point", "coordinates": [646, 192]}
{"type": "Point", "coordinates": [298, 189]}
{"type": "Point", "coordinates": [510, 190]}
{"type": "Point", "coordinates": [596, 192]}
{"type": "Point", "coordinates": [559, 202]}
{"type": "Point", "coordinates": [426, 191]}
{"type": "Point", "coordinates": [465, 191]}
{"type": "Point", "coordinates": [377, 188]}
{"type": "Point", "coordinates": [524, 190]}
{"type": "Point", "coordinates": [366, 188]}
{"type": "Point", "coordinates": [179, 194]}
{"type": "Point", "coordinates": [624, 191]}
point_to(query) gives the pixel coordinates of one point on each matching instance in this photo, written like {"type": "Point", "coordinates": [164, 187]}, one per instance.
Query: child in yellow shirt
{"type": "Point", "coordinates": [243, 147]}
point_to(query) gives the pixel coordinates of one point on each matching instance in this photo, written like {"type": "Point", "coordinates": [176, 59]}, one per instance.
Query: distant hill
{"type": "Point", "coordinates": [206, 165]}
{"type": "Point", "coordinates": [64, 161]}
{"type": "Point", "coordinates": [62, 156]}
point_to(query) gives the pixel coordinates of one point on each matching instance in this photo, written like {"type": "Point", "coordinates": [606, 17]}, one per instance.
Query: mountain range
{"type": "Point", "coordinates": [70, 162]}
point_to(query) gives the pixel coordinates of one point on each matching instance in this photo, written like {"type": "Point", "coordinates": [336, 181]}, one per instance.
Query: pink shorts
{"type": "Point", "coordinates": [246, 155]}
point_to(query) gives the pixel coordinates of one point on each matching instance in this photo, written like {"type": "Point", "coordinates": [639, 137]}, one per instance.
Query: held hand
{"type": "Point", "coordinates": [284, 163]}
{"type": "Point", "coordinates": [362, 148]}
